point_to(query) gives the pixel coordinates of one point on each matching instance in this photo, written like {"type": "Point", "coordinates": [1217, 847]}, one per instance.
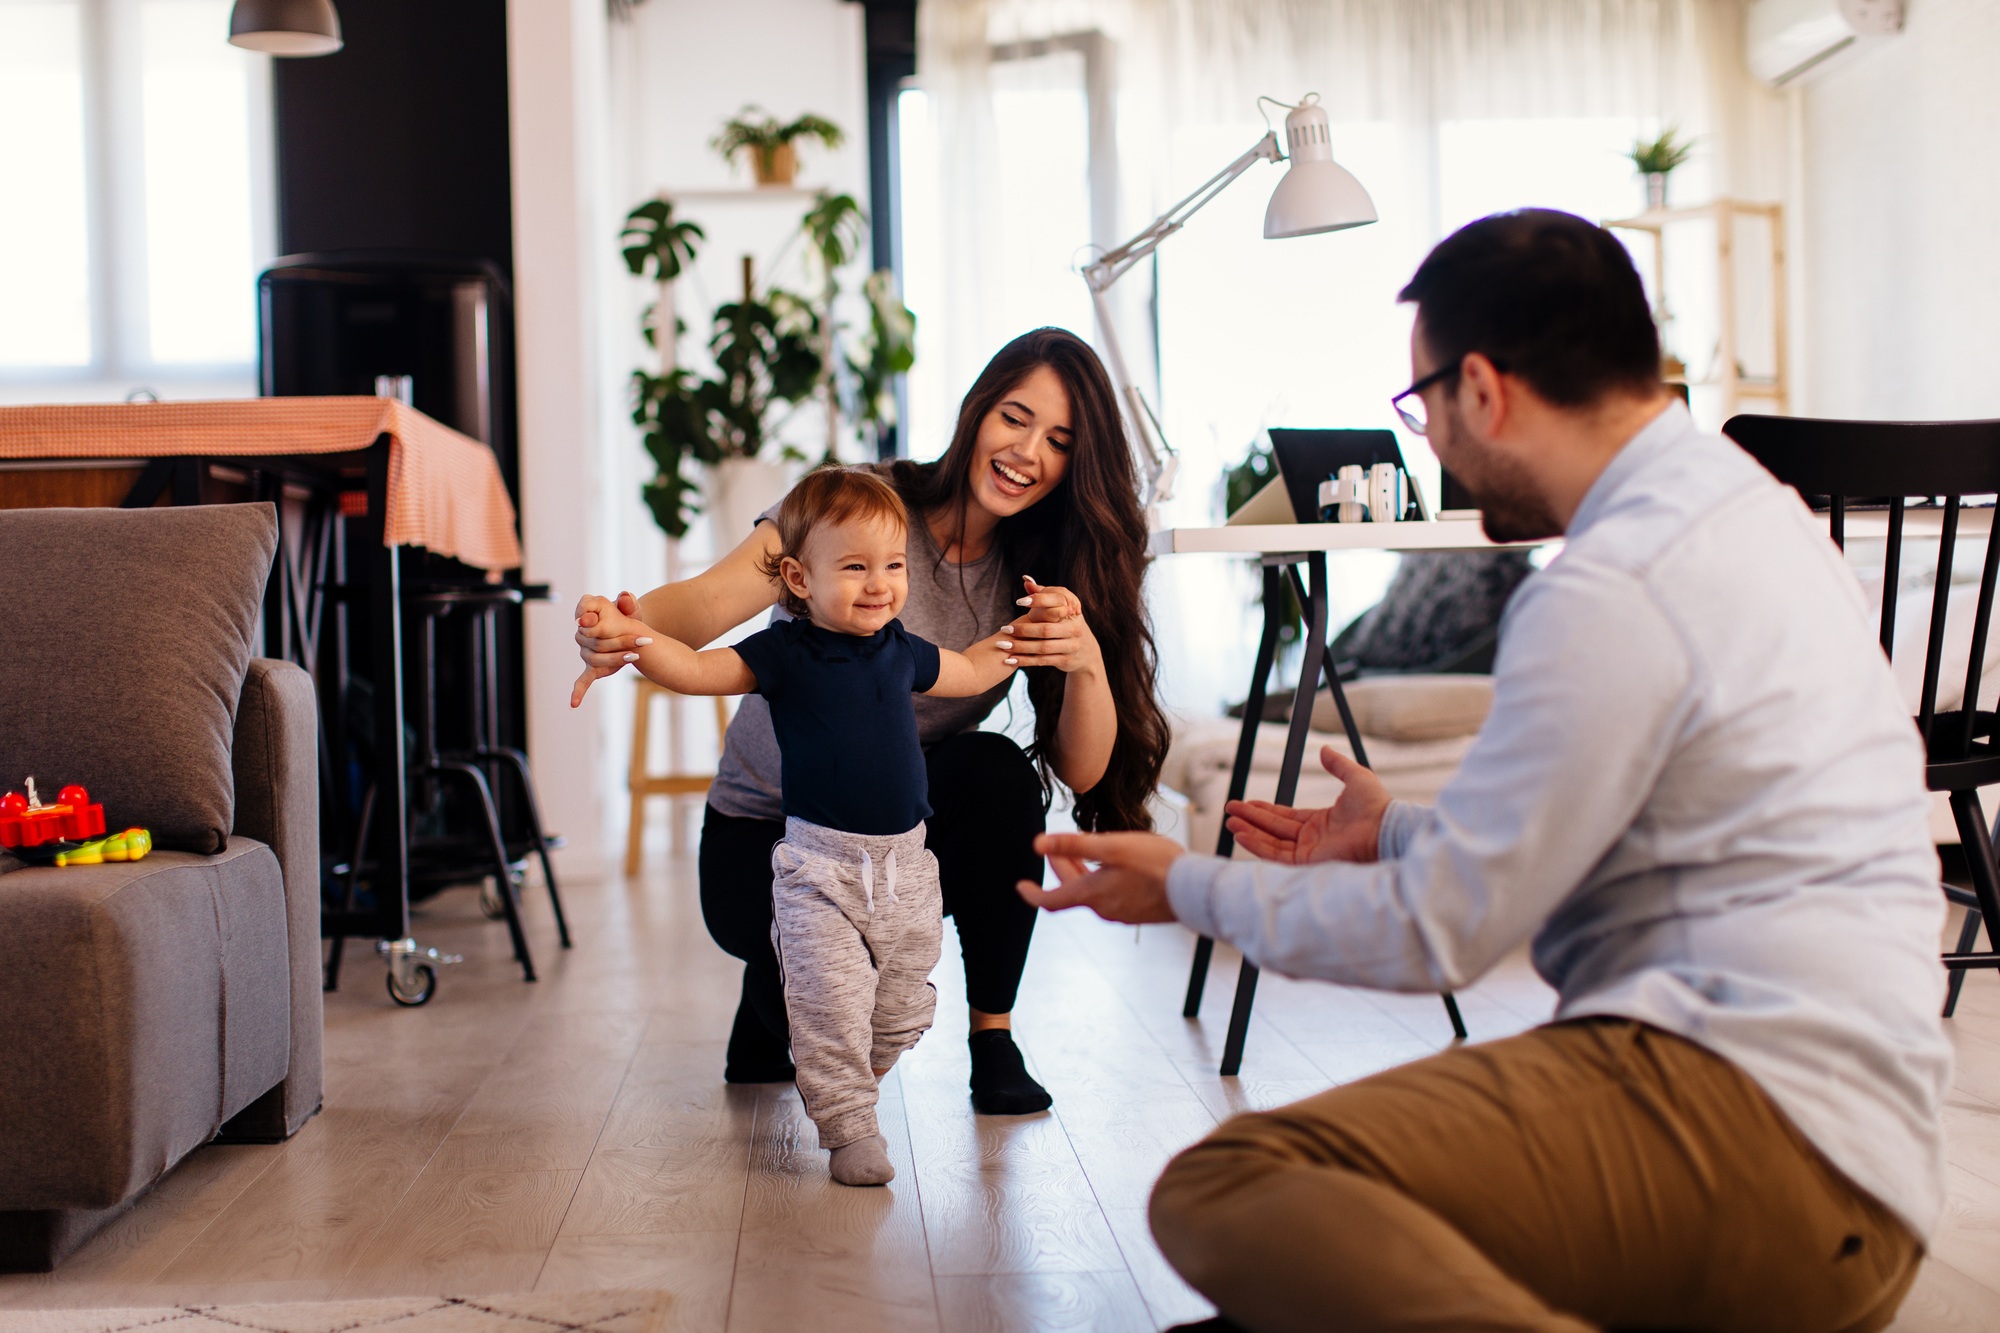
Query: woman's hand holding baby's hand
{"type": "Point", "coordinates": [608, 636]}
{"type": "Point", "coordinates": [1051, 632]}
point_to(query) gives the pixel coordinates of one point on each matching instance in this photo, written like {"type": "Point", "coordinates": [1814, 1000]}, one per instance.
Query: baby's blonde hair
{"type": "Point", "coordinates": [828, 495]}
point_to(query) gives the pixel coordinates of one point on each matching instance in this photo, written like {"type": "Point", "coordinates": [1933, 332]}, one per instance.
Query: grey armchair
{"type": "Point", "coordinates": [148, 1008]}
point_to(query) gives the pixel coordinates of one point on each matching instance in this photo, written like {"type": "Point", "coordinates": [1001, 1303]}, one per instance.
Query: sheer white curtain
{"type": "Point", "coordinates": [1445, 109]}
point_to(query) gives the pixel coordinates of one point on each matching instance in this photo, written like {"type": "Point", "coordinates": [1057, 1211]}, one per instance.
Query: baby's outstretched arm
{"type": "Point", "coordinates": [976, 670]}
{"type": "Point", "coordinates": [671, 663]}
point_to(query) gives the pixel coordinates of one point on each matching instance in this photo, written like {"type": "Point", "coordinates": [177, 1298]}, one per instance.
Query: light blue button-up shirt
{"type": "Point", "coordinates": [1698, 791]}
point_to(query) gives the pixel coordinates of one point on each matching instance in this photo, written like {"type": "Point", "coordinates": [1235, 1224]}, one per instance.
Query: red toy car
{"type": "Point", "coordinates": [26, 823]}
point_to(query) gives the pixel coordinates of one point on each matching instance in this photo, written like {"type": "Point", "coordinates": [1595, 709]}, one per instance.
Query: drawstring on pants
{"type": "Point", "coordinates": [868, 878]}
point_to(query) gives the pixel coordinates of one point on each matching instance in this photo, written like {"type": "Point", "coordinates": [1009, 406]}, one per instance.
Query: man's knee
{"type": "Point", "coordinates": [1198, 1201]}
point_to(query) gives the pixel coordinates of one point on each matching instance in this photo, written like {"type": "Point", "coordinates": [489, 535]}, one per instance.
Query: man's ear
{"type": "Point", "coordinates": [794, 575]}
{"type": "Point", "coordinates": [1483, 395]}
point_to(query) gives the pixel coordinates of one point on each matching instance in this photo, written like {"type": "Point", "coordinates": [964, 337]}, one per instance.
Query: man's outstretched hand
{"type": "Point", "coordinates": [1129, 884]}
{"type": "Point", "coordinates": [1348, 830]}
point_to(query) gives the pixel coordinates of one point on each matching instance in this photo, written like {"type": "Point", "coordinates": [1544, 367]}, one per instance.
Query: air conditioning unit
{"type": "Point", "coordinates": [1789, 38]}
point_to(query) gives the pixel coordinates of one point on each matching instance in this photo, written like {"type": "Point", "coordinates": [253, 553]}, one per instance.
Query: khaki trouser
{"type": "Point", "coordinates": [1590, 1173]}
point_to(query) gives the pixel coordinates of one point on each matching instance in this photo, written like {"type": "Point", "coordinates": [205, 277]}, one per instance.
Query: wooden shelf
{"type": "Point", "coordinates": [1775, 389]}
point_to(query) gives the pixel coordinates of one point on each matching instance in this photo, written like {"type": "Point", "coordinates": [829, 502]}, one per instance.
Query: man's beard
{"type": "Point", "coordinates": [1510, 508]}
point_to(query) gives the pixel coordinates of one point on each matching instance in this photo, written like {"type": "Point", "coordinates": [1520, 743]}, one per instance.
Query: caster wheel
{"type": "Point", "coordinates": [418, 994]}
{"type": "Point", "coordinates": [491, 905]}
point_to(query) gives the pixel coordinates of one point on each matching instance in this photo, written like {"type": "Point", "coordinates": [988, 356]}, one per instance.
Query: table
{"type": "Point", "coordinates": [1281, 548]}
{"type": "Point", "coordinates": [411, 480]}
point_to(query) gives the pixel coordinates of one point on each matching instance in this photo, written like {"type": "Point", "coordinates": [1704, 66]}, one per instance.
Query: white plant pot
{"type": "Point", "coordinates": [737, 491]}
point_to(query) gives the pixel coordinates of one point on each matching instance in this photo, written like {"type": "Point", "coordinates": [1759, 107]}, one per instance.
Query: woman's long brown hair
{"type": "Point", "coordinates": [1086, 535]}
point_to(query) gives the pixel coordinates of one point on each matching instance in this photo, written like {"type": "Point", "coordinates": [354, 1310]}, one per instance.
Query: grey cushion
{"type": "Point", "coordinates": [141, 707]}
{"type": "Point", "coordinates": [149, 1002]}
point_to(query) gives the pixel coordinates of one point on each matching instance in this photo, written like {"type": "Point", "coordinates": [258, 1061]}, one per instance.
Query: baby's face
{"type": "Point", "coordinates": [855, 576]}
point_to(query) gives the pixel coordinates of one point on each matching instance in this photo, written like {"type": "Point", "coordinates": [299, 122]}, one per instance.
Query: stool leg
{"type": "Point", "coordinates": [518, 762]}
{"type": "Point", "coordinates": [502, 871]}
{"type": "Point", "coordinates": [635, 825]}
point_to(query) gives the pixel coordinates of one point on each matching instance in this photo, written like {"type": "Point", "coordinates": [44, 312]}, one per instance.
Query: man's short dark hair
{"type": "Point", "coordinates": [1545, 296]}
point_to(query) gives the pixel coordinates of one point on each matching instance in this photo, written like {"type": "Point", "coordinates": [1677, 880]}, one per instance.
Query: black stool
{"type": "Point", "coordinates": [476, 770]}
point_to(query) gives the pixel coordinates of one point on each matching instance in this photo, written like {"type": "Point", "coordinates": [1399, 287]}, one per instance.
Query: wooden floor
{"type": "Point", "coordinates": [576, 1134]}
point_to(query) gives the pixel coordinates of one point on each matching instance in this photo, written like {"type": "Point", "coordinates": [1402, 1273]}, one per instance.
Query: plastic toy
{"type": "Point", "coordinates": [131, 845]}
{"type": "Point", "coordinates": [68, 832]}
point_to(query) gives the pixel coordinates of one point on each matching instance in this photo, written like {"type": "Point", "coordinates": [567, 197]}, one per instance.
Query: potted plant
{"type": "Point", "coordinates": [774, 156]}
{"type": "Point", "coordinates": [659, 247]}
{"type": "Point", "coordinates": [766, 357]}
{"type": "Point", "coordinates": [1656, 159]}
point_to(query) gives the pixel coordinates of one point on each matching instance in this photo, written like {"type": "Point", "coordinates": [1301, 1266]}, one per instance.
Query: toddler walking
{"type": "Point", "coordinates": [856, 912]}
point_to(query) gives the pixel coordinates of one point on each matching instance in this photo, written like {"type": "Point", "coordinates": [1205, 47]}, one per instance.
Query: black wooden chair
{"type": "Point", "coordinates": [1894, 468]}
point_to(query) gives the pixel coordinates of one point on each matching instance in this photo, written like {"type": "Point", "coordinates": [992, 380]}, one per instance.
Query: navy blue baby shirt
{"type": "Point", "coordinates": [847, 735]}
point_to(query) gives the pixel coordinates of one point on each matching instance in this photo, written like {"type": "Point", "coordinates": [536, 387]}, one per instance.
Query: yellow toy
{"type": "Point", "coordinates": [131, 845]}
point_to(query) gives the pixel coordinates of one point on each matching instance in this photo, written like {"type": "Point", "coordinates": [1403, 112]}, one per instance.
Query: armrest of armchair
{"type": "Point", "coordinates": [275, 755]}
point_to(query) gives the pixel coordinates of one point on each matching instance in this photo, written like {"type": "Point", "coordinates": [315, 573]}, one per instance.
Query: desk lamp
{"type": "Point", "coordinates": [1317, 194]}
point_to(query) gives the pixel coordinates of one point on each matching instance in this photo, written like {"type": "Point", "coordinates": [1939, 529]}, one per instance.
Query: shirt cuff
{"type": "Point", "coordinates": [1191, 890]}
{"type": "Point", "coordinates": [1399, 825]}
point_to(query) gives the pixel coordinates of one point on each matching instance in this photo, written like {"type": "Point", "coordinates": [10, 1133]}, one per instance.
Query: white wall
{"type": "Point", "coordinates": [680, 68]}
{"type": "Point", "coordinates": [606, 114]}
{"type": "Point", "coordinates": [1901, 183]}
{"type": "Point", "coordinates": [562, 270]}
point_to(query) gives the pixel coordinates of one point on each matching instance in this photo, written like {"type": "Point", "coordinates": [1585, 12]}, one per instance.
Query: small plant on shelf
{"type": "Point", "coordinates": [772, 144]}
{"type": "Point", "coordinates": [1656, 159]}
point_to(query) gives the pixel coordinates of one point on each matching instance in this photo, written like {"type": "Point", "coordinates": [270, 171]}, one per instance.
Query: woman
{"type": "Point", "coordinates": [1036, 495]}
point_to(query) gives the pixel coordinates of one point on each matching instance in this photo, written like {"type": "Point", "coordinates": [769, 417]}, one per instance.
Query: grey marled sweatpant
{"type": "Point", "coordinates": [856, 921]}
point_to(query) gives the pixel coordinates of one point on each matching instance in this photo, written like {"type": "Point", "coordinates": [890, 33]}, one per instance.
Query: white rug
{"type": "Point", "coordinates": [538, 1312]}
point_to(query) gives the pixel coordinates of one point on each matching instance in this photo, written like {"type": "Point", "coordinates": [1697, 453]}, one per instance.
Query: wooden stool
{"type": "Point", "coordinates": [645, 783]}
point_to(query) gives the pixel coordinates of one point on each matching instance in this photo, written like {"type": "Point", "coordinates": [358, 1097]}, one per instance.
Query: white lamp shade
{"type": "Point", "coordinates": [285, 27]}
{"type": "Point", "coordinates": [1316, 193]}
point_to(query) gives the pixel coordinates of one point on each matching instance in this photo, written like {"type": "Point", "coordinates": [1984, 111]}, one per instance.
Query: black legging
{"type": "Point", "coordinates": [986, 808]}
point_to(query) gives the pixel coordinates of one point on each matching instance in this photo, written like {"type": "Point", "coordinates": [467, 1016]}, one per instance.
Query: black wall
{"type": "Point", "coordinates": [399, 140]}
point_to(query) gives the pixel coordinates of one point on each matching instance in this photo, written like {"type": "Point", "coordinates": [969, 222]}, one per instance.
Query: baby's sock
{"type": "Point", "coordinates": [1001, 1083]}
{"type": "Point", "coordinates": [863, 1162]}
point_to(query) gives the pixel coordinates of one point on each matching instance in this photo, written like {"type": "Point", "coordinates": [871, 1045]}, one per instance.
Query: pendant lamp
{"type": "Point", "coordinates": [285, 27]}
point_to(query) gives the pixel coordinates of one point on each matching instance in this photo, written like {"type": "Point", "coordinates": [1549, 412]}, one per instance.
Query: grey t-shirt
{"type": "Point", "coordinates": [954, 606]}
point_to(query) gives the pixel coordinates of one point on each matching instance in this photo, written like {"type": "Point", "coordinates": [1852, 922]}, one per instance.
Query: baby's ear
{"type": "Point", "coordinates": [794, 575]}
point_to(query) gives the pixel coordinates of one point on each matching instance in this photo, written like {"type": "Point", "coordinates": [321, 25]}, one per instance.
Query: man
{"type": "Point", "coordinates": [1700, 795]}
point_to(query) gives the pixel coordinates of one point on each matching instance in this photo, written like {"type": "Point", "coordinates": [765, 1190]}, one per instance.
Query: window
{"type": "Point", "coordinates": [135, 146]}
{"type": "Point", "coordinates": [1041, 226]}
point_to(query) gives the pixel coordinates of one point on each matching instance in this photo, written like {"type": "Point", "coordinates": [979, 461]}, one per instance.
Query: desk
{"type": "Point", "coordinates": [1281, 548]}
{"type": "Point", "coordinates": [412, 482]}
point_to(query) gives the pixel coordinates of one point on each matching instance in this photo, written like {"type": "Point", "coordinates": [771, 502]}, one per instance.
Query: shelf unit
{"type": "Point", "coordinates": [1735, 386]}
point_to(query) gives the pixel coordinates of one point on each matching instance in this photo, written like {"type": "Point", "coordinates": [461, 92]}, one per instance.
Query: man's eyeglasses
{"type": "Point", "coordinates": [1409, 404]}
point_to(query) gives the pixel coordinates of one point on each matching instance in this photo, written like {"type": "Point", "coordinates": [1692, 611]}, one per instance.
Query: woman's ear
{"type": "Point", "coordinates": [794, 575]}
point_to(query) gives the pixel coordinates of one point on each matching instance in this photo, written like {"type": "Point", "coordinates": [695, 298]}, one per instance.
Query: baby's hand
{"type": "Point", "coordinates": [602, 619]}
{"type": "Point", "coordinates": [999, 645]}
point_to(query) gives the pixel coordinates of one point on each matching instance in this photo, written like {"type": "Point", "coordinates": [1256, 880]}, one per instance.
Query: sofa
{"type": "Point", "coordinates": [150, 1007]}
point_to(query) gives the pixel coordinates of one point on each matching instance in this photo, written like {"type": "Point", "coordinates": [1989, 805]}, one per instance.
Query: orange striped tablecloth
{"type": "Point", "coordinates": [445, 490]}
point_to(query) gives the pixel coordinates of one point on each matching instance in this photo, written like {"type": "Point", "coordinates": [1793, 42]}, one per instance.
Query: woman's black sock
{"type": "Point", "coordinates": [756, 1054]}
{"type": "Point", "coordinates": [1001, 1084]}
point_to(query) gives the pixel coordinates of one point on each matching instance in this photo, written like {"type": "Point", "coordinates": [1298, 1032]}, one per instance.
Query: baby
{"type": "Point", "coordinates": [856, 914]}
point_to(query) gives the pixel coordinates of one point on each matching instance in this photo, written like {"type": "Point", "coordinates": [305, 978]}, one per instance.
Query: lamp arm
{"type": "Point", "coordinates": [1112, 265]}
{"type": "Point", "coordinates": [1161, 459]}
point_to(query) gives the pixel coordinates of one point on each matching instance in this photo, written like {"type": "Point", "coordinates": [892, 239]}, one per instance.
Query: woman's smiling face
{"type": "Point", "coordinates": [1023, 446]}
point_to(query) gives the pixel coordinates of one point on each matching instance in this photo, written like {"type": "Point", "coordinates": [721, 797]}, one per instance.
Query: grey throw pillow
{"type": "Point", "coordinates": [124, 639]}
